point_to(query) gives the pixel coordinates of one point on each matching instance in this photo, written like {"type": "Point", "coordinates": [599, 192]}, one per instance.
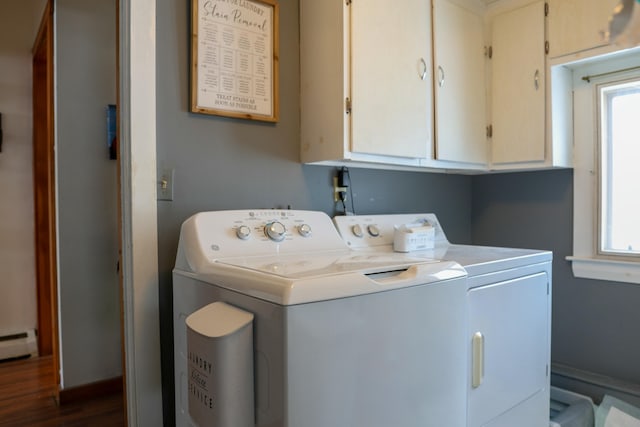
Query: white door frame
{"type": "Point", "coordinates": [139, 212]}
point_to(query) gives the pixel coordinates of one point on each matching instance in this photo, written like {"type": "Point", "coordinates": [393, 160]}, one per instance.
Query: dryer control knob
{"type": "Point", "coordinates": [243, 232]}
{"type": "Point", "coordinates": [373, 230]}
{"type": "Point", "coordinates": [275, 231]}
{"type": "Point", "coordinates": [357, 230]}
{"type": "Point", "coordinates": [304, 230]}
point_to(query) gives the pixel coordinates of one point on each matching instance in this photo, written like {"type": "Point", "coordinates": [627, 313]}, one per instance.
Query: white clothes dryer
{"type": "Point", "coordinates": [509, 312]}
{"type": "Point", "coordinates": [340, 337]}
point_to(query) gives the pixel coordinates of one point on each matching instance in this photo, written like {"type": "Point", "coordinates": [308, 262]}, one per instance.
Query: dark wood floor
{"type": "Point", "coordinates": [26, 400]}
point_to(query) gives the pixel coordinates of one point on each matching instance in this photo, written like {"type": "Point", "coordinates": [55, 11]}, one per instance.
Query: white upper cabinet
{"type": "Point", "coordinates": [391, 91]}
{"type": "Point", "coordinates": [518, 85]}
{"type": "Point", "coordinates": [324, 80]}
{"type": "Point", "coordinates": [578, 25]}
{"type": "Point", "coordinates": [388, 85]}
{"type": "Point", "coordinates": [460, 85]}
{"type": "Point", "coordinates": [366, 83]}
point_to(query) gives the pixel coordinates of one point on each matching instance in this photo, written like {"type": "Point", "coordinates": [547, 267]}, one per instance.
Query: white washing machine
{"type": "Point", "coordinates": [509, 309]}
{"type": "Point", "coordinates": [340, 337]}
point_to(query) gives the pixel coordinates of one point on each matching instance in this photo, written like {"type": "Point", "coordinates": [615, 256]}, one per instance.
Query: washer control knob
{"type": "Point", "coordinates": [275, 231]}
{"type": "Point", "coordinates": [357, 230]}
{"type": "Point", "coordinates": [304, 230]}
{"type": "Point", "coordinates": [373, 230]}
{"type": "Point", "coordinates": [243, 232]}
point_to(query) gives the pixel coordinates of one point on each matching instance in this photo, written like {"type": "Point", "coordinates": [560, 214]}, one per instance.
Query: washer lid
{"type": "Point", "coordinates": [313, 265]}
{"type": "Point", "coordinates": [311, 277]}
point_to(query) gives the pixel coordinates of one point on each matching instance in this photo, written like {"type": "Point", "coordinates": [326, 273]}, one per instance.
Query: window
{"type": "Point", "coordinates": [606, 134]}
{"type": "Point", "coordinates": [619, 143]}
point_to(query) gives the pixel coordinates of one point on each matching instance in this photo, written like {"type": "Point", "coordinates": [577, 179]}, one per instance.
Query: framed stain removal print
{"type": "Point", "coordinates": [234, 58]}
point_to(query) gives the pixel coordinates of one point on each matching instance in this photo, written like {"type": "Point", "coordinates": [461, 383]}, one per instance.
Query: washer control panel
{"type": "Point", "coordinates": [220, 234]}
{"type": "Point", "coordinates": [277, 227]}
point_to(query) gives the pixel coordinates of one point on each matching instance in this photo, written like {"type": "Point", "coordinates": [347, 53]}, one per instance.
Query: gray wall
{"type": "Point", "coordinates": [594, 322]}
{"type": "Point", "coordinates": [89, 300]}
{"type": "Point", "coordinates": [223, 163]}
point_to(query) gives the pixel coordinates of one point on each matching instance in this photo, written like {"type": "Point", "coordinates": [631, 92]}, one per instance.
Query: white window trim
{"type": "Point", "coordinates": [605, 269]}
{"type": "Point", "coordinates": [585, 261]}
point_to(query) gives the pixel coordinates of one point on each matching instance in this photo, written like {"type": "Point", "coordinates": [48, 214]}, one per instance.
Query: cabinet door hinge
{"type": "Point", "coordinates": [347, 105]}
{"type": "Point", "coordinates": [546, 9]}
{"type": "Point", "coordinates": [488, 51]}
{"type": "Point", "coordinates": [489, 131]}
{"type": "Point", "coordinates": [347, 2]}
{"type": "Point", "coordinates": [546, 47]}
{"type": "Point", "coordinates": [547, 371]}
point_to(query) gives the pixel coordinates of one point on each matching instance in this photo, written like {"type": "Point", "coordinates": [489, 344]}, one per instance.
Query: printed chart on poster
{"type": "Point", "coordinates": [234, 58]}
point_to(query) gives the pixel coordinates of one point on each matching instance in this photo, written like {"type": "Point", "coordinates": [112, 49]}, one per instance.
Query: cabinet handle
{"type": "Point", "coordinates": [440, 76]}
{"type": "Point", "coordinates": [423, 73]}
{"type": "Point", "coordinates": [478, 359]}
{"type": "Point", "coordinates": [536, 79]}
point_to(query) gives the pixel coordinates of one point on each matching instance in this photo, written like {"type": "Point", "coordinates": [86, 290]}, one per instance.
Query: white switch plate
{"type": "Point", "coordinates": [165, 184]}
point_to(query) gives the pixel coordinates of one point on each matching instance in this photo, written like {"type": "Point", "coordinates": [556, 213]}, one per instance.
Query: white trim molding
{"type": "Point", "coordinates": [139, 212]}
{"type": "Point", "coordinates": [605, 269]}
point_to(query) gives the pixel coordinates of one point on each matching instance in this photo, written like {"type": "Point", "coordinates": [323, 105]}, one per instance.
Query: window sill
{"type": "Point", "coordinates": [605, 269]}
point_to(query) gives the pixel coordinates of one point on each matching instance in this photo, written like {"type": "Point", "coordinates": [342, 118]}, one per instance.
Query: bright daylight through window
{"type": "Point", "coordinates": [619, 231]}
{"type": "Point", "coordinates": [605, 111]}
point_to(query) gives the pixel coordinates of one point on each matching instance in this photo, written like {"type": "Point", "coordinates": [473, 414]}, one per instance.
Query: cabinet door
{"type": "Point", "coordinates": [577, 25]}
{"type": "Point", "coordinates": [518, 85]}
{"type": "Point", "coordinates": [460, 86]}
{"type": "Point", "coordinates": [390, 77]}
{"type": "Point", "coordinates": [512, 350]}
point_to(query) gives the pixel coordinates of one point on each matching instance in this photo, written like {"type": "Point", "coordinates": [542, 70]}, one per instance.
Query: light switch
{"type": "Point", "coordinates": [165, 184]}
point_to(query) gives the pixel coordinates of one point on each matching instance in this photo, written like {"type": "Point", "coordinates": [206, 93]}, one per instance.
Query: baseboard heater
{"type": "Point", "coordinates": [18, 345]}
{"type": "Point", "coordinates": [594, 385]}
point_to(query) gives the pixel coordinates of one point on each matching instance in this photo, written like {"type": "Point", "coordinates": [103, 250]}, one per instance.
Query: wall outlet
{"type": "Point", "coordinates": [337, 190]}
{"type": "Point", "coordinates": [165, 184]}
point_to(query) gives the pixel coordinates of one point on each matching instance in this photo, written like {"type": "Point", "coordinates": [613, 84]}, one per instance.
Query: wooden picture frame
{"type": "Point", "coordinates": [234, 58]}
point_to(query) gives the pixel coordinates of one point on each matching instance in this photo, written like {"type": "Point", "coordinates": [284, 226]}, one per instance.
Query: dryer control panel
{"type": "Point", "coordinates": [370, 231]}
